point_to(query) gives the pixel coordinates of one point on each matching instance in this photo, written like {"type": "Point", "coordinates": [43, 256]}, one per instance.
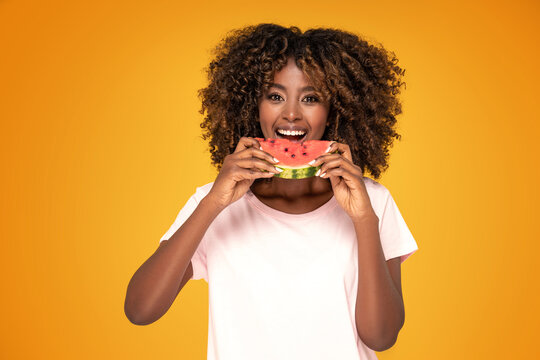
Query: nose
{"type": "Point", "coordinates": [292, 111]}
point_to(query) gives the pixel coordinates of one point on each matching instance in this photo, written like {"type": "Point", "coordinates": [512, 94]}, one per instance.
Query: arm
{"type": "Point", "coordinates": [155, 285]}
{"type": "Point", "coordinates": [380, 312]}
{"type": "Point", "coordinates": [158, 281]}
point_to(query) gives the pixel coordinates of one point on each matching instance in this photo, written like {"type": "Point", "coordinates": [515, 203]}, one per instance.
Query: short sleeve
{"type": "Point", "coordinates": [199, 257]}
{"type": "Point", "coordinates": [396, 238]}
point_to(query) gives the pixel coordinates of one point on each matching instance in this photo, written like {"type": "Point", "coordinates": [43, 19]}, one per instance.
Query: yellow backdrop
{"type": "Point", "coordinates": [101, 148]}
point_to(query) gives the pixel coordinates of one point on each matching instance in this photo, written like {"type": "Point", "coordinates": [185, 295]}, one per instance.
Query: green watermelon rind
{"type": "Point", "coordinates": [298, 172]}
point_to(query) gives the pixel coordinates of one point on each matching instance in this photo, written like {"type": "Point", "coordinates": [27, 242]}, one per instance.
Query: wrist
{"type": "Point", "coordinates": [364, 217]}
{"type": "Point", "coordinates": [210, 204]}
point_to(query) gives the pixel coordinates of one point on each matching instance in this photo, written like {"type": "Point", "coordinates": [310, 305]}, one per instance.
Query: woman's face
{"type": "Point", "coordinates": [291, 109]}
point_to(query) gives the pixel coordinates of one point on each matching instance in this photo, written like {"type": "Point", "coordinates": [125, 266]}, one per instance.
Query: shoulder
{"type": "Point", "coordinates": [378, 194]}
{"type": "Point", "coordinates": [375, 189]}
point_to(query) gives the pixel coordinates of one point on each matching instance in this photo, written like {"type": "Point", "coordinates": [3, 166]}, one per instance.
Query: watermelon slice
{"type": "Point", "coordinates": [294, 156]}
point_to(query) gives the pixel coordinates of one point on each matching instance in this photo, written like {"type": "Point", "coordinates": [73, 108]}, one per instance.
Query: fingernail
{"type": "Point", "coordinates": [278, 169]}
{"type": "Point", "coordinates": [323, 174]}
{"type": "Point", "coordinates": [260, 147]}
{"type": "Point", "coordinates": [311, 162]}
{"type": "Point", "coordinates": [318, 172]}
{"type": "Point", "coordinates": [276, 160]}
{"type": "Point", "coordinates": [329, 146]}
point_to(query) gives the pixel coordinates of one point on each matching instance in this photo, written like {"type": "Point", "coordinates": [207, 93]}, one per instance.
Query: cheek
{"type": "Point", "coordinates": [265, 111]}
{"type": "Point", "coordinates": [321, 116]}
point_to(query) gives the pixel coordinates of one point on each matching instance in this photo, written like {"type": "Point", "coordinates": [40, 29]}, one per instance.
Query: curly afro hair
{"type": "Point", "coordinates": [360, 82]}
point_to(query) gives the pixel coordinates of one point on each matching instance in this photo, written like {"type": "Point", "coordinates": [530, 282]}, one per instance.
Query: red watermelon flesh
{"type": "Point", "coordinates": [293, 154]}
{"type": "Point", "coordinates": [294, 157]}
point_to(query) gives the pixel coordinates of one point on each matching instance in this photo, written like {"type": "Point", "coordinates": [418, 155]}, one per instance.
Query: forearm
{"type": "Point", "coordinates": [380, 311]}
{"type": "Point", "coordinates": [154, 286]}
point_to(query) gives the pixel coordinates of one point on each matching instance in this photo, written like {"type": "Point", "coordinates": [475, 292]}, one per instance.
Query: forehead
{"type": "Point", "coordinates": [291, 74]}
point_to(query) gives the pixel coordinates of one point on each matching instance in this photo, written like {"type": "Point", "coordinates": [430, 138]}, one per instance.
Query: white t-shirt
{"type": "Point", "coordinates": [284, 286]}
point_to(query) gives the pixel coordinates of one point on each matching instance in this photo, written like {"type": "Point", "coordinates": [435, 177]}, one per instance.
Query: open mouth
{"type": "Point", "coordinates": [294, 136]}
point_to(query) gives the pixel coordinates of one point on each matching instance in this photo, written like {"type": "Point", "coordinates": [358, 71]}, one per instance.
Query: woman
{"type": "Point", "coordinates": [297, 269]}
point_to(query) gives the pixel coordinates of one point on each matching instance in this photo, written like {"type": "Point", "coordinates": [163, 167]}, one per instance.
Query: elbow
{"type": "Point", "coordinates": [381, 345]}
{"type": "Point", "coordinates": [383, 341]}
{"type": "Point", "coordinates": [134, 318]}
{"type": "Point", "coordinates": [137, 317]}
{"type": "Point", "coordinates": [137, 321]}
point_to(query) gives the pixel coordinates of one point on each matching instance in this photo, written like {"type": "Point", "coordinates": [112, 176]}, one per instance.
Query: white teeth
{"type": "Point", "coordinates": [293, 133]}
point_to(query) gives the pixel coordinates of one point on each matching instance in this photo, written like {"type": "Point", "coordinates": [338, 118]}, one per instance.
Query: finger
{"type": "Point", "coordinates": [257, 153]}
{"type": "Point", "coordinates": [340, 172]}
{"type": "Point", "coordinates": [246, 143]}
{"type": "Point", "coordinates": [254, 163]}
{"type": "Point", "coordinates": [342, 149]}
{"type": "Point", "coordinates": [340, 162]}
{"type": "Point", "coordinates": [330, 147]}
{"type": "Point", "coordinates": [243, 174]}
{"type": "Point", "coordinates": [327, 158]}
{"type": "Point", "coordinates": [324, 158]}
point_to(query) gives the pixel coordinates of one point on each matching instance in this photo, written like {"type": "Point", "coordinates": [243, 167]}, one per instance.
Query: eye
{"type": "Point", "coordinates": [311, 99]}
{"type": "Point", "coordinates": [274, 97]}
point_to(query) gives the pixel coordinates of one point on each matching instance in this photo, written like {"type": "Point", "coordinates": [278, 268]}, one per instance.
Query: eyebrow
{"type": "Point", "coordinates": [305, 88]}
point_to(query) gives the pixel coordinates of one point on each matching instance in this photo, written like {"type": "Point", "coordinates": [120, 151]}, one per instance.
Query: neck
{"type": "Point", "coordinates": [291, 189]}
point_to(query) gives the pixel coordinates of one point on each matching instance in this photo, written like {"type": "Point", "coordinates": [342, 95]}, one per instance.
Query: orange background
{"type": "Point", "coordinates": [100, 150]}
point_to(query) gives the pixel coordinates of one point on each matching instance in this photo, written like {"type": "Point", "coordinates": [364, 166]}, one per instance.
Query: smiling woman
{"type": "Point", "coordinates": [304, 267]}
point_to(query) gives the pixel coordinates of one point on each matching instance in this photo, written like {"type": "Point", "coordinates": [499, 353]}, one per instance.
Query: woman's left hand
{"type": "Point", "coordinates": [346, 179]}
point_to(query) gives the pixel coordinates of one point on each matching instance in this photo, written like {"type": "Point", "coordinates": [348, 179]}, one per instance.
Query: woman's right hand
{"type": "Point", "coordinates": [239, 171]}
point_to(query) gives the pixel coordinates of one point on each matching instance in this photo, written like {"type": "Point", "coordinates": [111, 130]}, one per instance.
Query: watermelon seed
{"type": "Point", "coordinates": [292, 155]}
{"type": "Point", "coordinates": [286, 149]}
{"type": "Point", "coordinates": [304, 154]}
